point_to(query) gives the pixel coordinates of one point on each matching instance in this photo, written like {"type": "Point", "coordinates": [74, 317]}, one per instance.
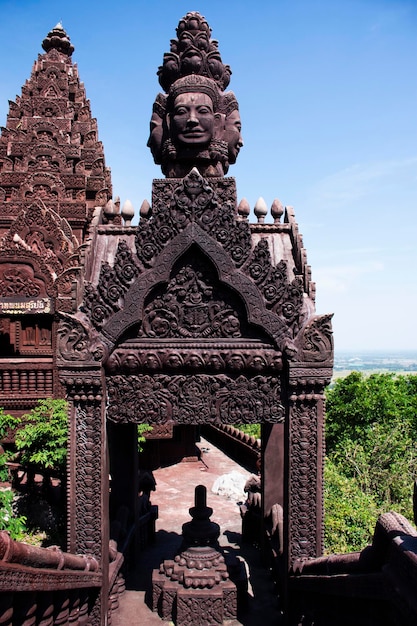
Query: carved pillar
{"type": "Point", "coordinates": [305, 461]}
{"type": "Point", "coordinates": [88, 488]}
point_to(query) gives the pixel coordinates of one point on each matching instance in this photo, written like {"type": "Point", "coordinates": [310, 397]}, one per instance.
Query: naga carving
{"type": "Point", "coordinates": [317, 340]}
{"type": "Point", "coordinates": [75, 343]}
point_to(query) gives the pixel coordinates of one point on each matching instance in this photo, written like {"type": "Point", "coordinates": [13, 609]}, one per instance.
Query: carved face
{"type": "Point", "coordinates": [232, 134]}
{"type": "Point", "coordinates": [155, 136]}
{"type": "Point", "coordinates": [192, 120]}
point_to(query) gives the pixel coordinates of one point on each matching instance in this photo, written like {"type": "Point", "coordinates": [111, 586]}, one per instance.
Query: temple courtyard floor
{"type": "Point", "coordinates": [174, 496]}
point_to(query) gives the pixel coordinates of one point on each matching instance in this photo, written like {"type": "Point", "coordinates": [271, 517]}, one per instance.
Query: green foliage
{"type": "Point", "coordinates": [254, 430]}
{"type": "Point", "coordinates": [371, 438]}
{"type": "Point", "coordinates": [14, 525]}
{"type": "Point", "coordinates": [43, 438]}
{"type": "Point", "coordinates": [350, 514]}
{"type": "Point", "coordinates": [7, 423]}
{"type": "Point", "coordinates": [142, 429]}
{"type": "Point", "coordinates": [357, 402]}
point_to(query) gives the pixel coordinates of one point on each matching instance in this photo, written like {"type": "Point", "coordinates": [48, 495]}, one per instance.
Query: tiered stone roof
{"type": "Point", "coordinates": [49, 149]}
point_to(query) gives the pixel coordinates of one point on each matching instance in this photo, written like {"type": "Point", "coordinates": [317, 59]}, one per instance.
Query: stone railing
{"type": "Point", "coordinates": [48, 586]}
{"type": "Point", "coordinates": [24, 380]}
{"type": "Point", "coordinates": [374, 587]}
{"type": "Point", "coordinates": [241, 447]}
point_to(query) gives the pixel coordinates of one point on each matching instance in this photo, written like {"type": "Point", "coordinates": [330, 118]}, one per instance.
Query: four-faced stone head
{"type": "Point", "coordinates": [192, 119]}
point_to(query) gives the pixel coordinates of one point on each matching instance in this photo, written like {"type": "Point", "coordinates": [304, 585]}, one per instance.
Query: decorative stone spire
{"type": "Point", "coordinates": [58, 39]}
{"type": "Point", "coordinates": [196, 124]}
{"type": "Point", "coordinates": [193, 52]}
{"type": "Point", "coordinates": [199, 581]}
{"type": "Point", "coordinates": [49, 149]}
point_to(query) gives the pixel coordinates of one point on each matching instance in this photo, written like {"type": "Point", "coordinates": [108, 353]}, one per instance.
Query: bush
{"type": "Point", "coordinates": [350, 514]}
{"type": "Point", "coordinates": [371, 432]}
{"type": "Point", "coordinates": [43, 438]}
{"type": "Point", "coordinates": [254, 430]}
{"type": "Point", "coordinates": [14, 524]}
{"type": "Point", "coordinates": [7, 423]}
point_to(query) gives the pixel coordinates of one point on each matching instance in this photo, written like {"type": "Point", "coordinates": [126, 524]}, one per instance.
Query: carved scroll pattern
{"type": "Point", "coordinates": [89, 476]}
{"type": "Point", "coordinates": [113, 283]}
{"type": "Point", "coordinates": [178, 203]}
{"type": "Point", "coordinates": [303, 480]}
{"type": "Point", "coordinates": [317, 340]}
{"type": "Point", "coordinates": [281, 296]}
{"type": "Point", "coordinates": [192, 606]}
{"type": "Point", "coordinates": [194, 399]}
{"type": "Point", "coordinates": [74, 341]}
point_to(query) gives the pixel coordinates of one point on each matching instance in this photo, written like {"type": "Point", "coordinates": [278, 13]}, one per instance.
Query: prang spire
{"type": "Point", "coordinates": [58, 39]}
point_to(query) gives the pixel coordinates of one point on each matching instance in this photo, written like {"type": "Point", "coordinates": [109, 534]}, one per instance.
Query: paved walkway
{"type": "Point", "coordinates": [174, 496]}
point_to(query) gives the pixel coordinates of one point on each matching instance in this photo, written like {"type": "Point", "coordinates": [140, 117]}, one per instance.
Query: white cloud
{"type": "Point", "coordinates": [362, 179]}
{"type": "Point", "coordinates": [340, 278]}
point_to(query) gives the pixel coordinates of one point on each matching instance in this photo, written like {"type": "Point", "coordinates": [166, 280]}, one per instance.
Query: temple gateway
{"type": "Point", "coordinates": [193, 318]}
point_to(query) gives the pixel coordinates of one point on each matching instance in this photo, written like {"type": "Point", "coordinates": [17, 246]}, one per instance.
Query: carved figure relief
{"type": "Point", "coordinates": [19, 281]}
{"type": "Point", "coordinates": [190, 307]}
{"type": "Point", "coordinates": [253, 358]}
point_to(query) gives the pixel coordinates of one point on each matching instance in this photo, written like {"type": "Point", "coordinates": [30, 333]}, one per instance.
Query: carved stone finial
{"type": "Point", "coordinates": [128, 212]}
{"type": "Point", "coordinates": [261, 210]}
{"type": "Point", "coordinates": [201, 531]}
{"type": "Point", "coordinates": [58, 39]}
{"type": "Point", "coordinates": [193, 52]}
{"type": "Point", "coordinates": [196, 124]}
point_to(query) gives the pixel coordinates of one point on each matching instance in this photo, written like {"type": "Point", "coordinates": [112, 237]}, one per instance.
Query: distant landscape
{"type": "Point", "coordinates": [401, 362]}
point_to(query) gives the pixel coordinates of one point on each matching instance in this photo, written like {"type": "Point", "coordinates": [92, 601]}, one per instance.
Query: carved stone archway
{"type": "Point", "coordinates": [197, 316]}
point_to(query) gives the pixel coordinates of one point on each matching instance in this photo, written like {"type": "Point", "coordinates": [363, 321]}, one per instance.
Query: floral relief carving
{"type": "Point", "coordinates": [101, 301]}
{"type": "Point", "coordinates": [281, 296]}
{"type": "Point", "coordinates": [303, 479]}
{"type": "Point", "coordinates": [89, 471]}
{"type": "Point", "coordinates": [194, 399]}
{"type": "Point", "coordinates": [178, 203]}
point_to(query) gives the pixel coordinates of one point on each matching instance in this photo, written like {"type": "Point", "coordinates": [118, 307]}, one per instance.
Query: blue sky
{"type": "Point", "coordinates": [328, 97]}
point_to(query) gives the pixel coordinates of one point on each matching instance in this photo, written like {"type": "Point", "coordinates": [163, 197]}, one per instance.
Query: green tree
{"type": "Point", "coordinates": [350, 513]}
{"type": "Point", "coordinates": [14, 524]}
{"type": "Point", "coordinates": [43, 438]}
{"type": "Point", "coordinates": [371, 433]}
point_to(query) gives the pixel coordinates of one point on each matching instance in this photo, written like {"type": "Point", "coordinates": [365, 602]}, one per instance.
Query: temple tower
{"type": "Point", "coordinates": [52, 176]}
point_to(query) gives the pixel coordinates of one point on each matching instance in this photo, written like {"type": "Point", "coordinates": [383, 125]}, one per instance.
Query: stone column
{"type": "Point", "coordinates": [88, 484]}
{"type": "Point", "coordinates": [305, 461]}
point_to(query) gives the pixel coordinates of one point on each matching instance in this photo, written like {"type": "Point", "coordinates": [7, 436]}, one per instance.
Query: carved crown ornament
{"type": "Point", "coordinates": [195, 123]}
